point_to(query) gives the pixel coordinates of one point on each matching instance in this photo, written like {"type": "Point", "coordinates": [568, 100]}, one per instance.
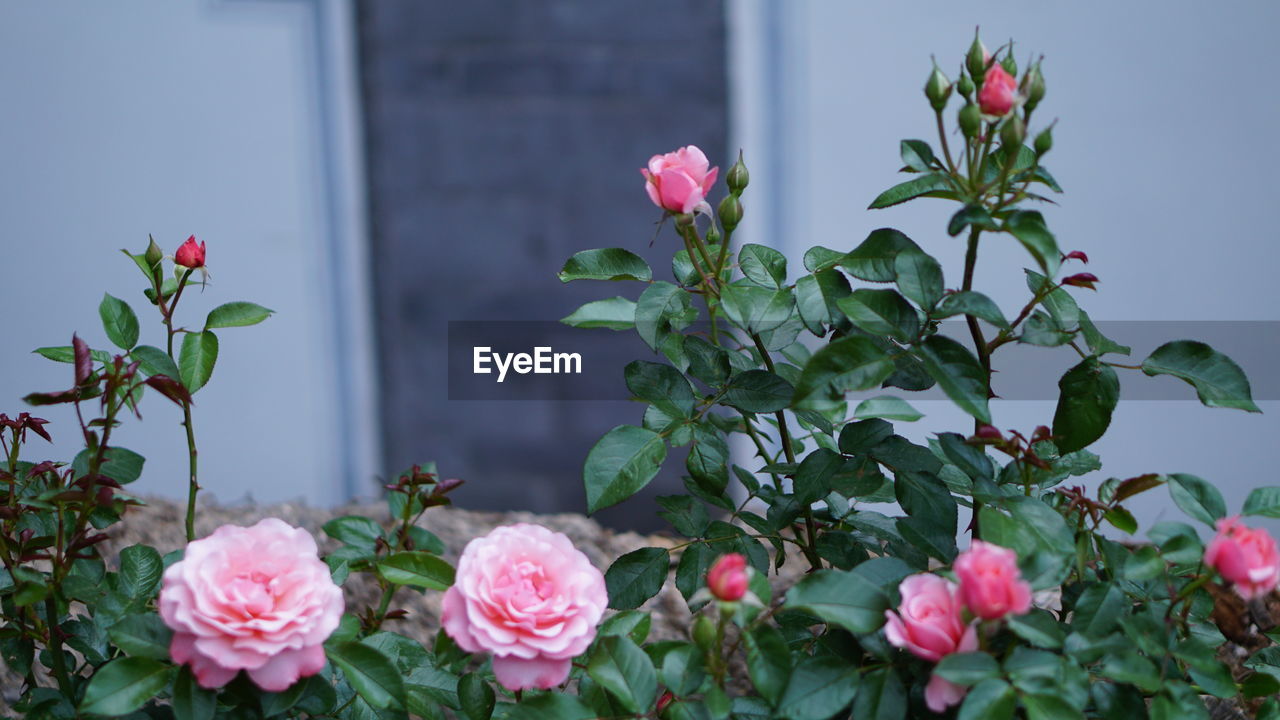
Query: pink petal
{"type": "Point", "coordinates": [941, 694]}
{"type": "Point", "coordinates": [209, 674]}
{"type": "Point", "coordinates": [453, 616]}
{"type": "Point", "coordinates": [515, 673]}
{"type": "Point", "coordinates": [286, 667]}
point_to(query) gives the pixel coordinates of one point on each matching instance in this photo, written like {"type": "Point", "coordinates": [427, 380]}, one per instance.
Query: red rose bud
{"type": "Point", "coordinates": [1077, 255]}
{"type": "Point", "coordinates": [997, 93]}
{"type": "Point", "coordinates": [190, 255]}
{"type": "Point", "coordinates": [1084, 280]}
{"type": "Point", "coordinates": [727, 579]}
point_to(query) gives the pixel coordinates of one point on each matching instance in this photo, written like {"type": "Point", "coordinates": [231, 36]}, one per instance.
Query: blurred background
{"type": "Point", "coordinates": [376, 169]}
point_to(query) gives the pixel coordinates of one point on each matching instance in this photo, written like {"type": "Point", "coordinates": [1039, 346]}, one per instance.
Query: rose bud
{"type": "Point", "coordinates": [991, 585]}
{"type": "Point", "coordinates": [1044, 141]}
{"type": "Point", "coordinates": [964, 86]}
{"type": "Point", "coordinates": [1084, 280]}
{"type": "Point", "coordinates": [678, 181]}
{"type": "Point", "coordinates": [937, 89]}
{"type": "Point", "coordinates": [727, 579]}
{"type": "Point", "coordinates": [1033, 87]}
{"type": "Point", "coordinates": [664, 701]}
{"type": "Point", "coordinates": [528, 596]}
{"type": "Point", "coordinates": [256, 599]}
{"type": "Point", "coordinates": [1008, 63]}
{"type": "Point", "coordinates": [997, 94]}
{"type": "Point", "coordinates": [1012, 135]}
{"type": "Point", "coordinates": [988, 433]}
{"type": "Point", "coordinates": [1077, 255]}
{"type": "Point", "coordinates": [730, 212]}
{"type": "Point", "coordinates": [1244, 556]}
{"type": "Point", "coordinates": [970, 120]}
{"type": "Point", "coordinates": [928, 624]}
{"type": "Point", "coordinates": [189, 254]}
{"type": "Point", "coordinates": [978, 57]}
{"type": "Point", "coordinates": [738, 177]}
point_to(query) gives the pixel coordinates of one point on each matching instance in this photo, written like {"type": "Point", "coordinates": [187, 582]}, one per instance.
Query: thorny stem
{"type": "Point", "coordinates": [193, 485]}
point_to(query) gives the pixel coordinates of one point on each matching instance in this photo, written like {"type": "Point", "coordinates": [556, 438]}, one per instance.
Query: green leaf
{"type": "Point", "coordinates": [958, 374]}
{"type": "Point", "coordinates": [970, 215]}
{"type": "Point", "coordinates": [990, 699]}
{"type": "Point", "coordinates": [1197, 498]}
{"type": "Point", "coordinates": [1218, 381]}
{"type": "Point", "coordinates": [1264, 501]}
{"type": "Point", "coordinates": [768, 661]}
{"type": "Point", "coordinates": [190, 701]}
{"type": "Point", "coordinates": [967, 302]}
{"type": "Point", "coordinates": [881, 696]}
{"type": "Point", "coordinates": [1037, 533]}
{"type": "Point", "coordinates": [967, 668]}
{"type": "Point", "coordinates": [1039, 628]}
{"type": "Point", "coordinates": [756, 309]}
{"type": "Point", "coordinates": [119, 321]}
{"type": "Point", "coordinates": [418, 569]}
{"type": "Point", "coordinates": [916, 154]}
{"type": "Point", "coordinates": [371, 674]}
{"type": "Point", "coordinates": [236, 314]}
{"type": "Point", "coordinates": [1087, 396]}
{"type": "Point", "coordinates": [845, 598]}
{"type": "Point", "coordinates": [1029, 228]}
{"type": "Point", "coordinates": [154, 361]}
{"type": "Point", "coordinates": [552, 706]}
{"type": "Point", "coordinates": [757, 391]}
{"type": "Point", "coordinates": [881, 312]}
{"type": "Point", "coordinates": [476, 697]}
{"type": "Point", "coordinates": [931, 185]}
{"type": "Point", "coordinates": [816, 298]}
{"type": "Point", "coordinates": [661, 385]}
{"type": "Point", "coordinates": [1049, 707]}
{"type": "Point", "coordinates": [819, 688]}
{"type": "Point", "coordinates": [1098, 610]}
{"type": "Point", "coordinates": [195, 361]}
{"type": "Point", "coordinates": [708, 459]}
{"type": "Point", "coordinates": [874, 260]}
{"type": "Point", "coordinates": [142, 635]}
{"type": "Point", "coordinates": [819, 258]}
{"type": "Point", "coordinates": [857, 438]}
{"type": "Point", "coordinates": [140, 571]}
{"type": "Point", "coordinates": [637, 576]}
{"type": "Point", "coordinates": [1177, 701]}
{"type": "Point", "coordinates": [661, 307]}
{"type": "Point", "coordinates": [686, 514]}
{"type": "Point", "coordinates": [683, 669]}
{"type": "Point", "coordinates": [120, 464]}
{"type": "Point", "coordinates": [1098, 343]}
{"type": "Point", "coordinates": [1061, 306]}
{"type": "Point", "coordinates": [279, 703]}
{"type": "Point", "coordinates": [625, 671]}
{"type": "Point", "coordinates": [615, 313]}
{"type": "Point", "coordinates": [124, 685]}
{"type": "Point", "coordinates": [919, 278]}
{"type": "Point", "coordinates": [763, 265]}
{"type": "Point", "coordinates": [605, 264]}
{"type": "Point", "coordinates": [354, 530]}
{"type": "Point", "coordinates": [845, 365]}
{"type": "Point", "coordinates": [1130, 666]}
{"type": "Point", "coordinates": [622, 462]}
{"type": "Point", "coordinates": [888, 407]}
{"type": "Point", "coordinates": [67, 354]}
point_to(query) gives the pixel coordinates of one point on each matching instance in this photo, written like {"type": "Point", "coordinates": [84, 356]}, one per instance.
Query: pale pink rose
{"type": "Point", "coordinates": [1244, 556]}
{"type": "Point", "coordinates": [257, 599]}
{"type": "Point", "coordinates": [929, 625]}
{"type": "Point", "coordinates": [529, 597]}
{"type": "Point", "coordinates": [990, 584]}
{"type": "Point", "coordinates": [679, 180]}
{"type": "Point", "coordinates": [727, 579]}
{"type": "Point", "coordinates": [997, 94]}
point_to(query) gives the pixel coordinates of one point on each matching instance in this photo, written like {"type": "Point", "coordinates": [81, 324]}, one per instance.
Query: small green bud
{"type": "Point", "coordinates": [704, 634]}
{"type": "Point", "coordinates": [713, 236]}
{"type": "Point", "coordinates": [977, 58]}
{"type": "Point", "coordinates": [970, 120]}
{"type": "Point", "coordinates": [1010, 65]}
{"type": "Point", "coordinates": [964, 86]}
{"type": "Point", "coordinates": [730, 212]}
{"type": "Point", "coordinates": [1033, 87]}
{"type": "Point", "coordinates": [937, 89]}
{"type": "Point", "coordinates": [154, 254]}
{"type": "Point", "coordinates": [738, 177]}
{"type": "Point", "coordinates": [1012, 135]}
{"type": "Point", "coordinates": [1044, 141]}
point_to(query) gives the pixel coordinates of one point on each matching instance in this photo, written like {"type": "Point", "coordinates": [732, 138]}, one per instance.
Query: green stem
{"type": "Point", "coordinates": [193, 484]}
{"type": "Point", "coordinates": [975, 330]}
{"type": "Point", "coordinates": [54, 645]}
{"type": "Point", "coordinates": [942, 136]}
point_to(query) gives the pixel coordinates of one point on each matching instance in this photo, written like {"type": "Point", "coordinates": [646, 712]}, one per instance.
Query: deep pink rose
{"type": "Point", "coordinates": [928, 624]}
{"type": "Point", "coordinates": [727, 579]}
{"type": "Point", "coordinates": [527, 595]}
{"type": "Point", "coordinates": [1244, 556]}
{"type": "Point", "coordinates": [190, 254]}
{"type": "Point", "coordinates": [997, 93]}
{"type": "Point", "coordinates": [256, 599]}
{"type": "Point", "coordinates": [990, 584]}
{"type": "Point", "coordinates": [679, 180]}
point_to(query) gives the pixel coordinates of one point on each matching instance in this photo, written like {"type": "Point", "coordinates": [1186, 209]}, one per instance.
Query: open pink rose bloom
{"type": "Point", "coordinates": [529, 597]}
{"type": "Point", "coordinates": [1244, 556]}
{"type": "Point", "coordinates": [679, 180]}
{"type": "Point", "coordinates": [928, 624]}
{"type": "Point", "coordinates": [251, 598]}
{"type": "Point", "coordinates": [991, 585]}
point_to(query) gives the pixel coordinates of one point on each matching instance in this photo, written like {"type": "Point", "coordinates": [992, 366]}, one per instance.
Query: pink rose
{"type": "Point", "coordinates": [679, 180]}
{"type": "Point", "coordinates": [727, 579]}
{"type": "Point", "coordinates": [256, 599]}
{"type": "Point", "coordinates": [1244, 556]}
{"type": "Point", "coordinates": [997, 93]}
{"type": "Point", "coordinates": [928, 624]}
{"type": "Point", "coordinates": [527, 595]}
{"type": "Point", "coordinates": [190, 254]}
{"type": "Point", "coordinates": [990, 584]}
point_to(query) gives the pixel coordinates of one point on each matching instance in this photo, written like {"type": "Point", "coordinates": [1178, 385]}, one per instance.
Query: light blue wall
{"type": "Point", "coordinates": [171, 118]}
{"type": "Point", "coordinates": [1166, 147]}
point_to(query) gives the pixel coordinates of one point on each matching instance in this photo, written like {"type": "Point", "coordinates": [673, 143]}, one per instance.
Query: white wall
{"type": "Point", "coordinates": [212, 117]}
{"type": "Point", "coordinates": [1166, 147]}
